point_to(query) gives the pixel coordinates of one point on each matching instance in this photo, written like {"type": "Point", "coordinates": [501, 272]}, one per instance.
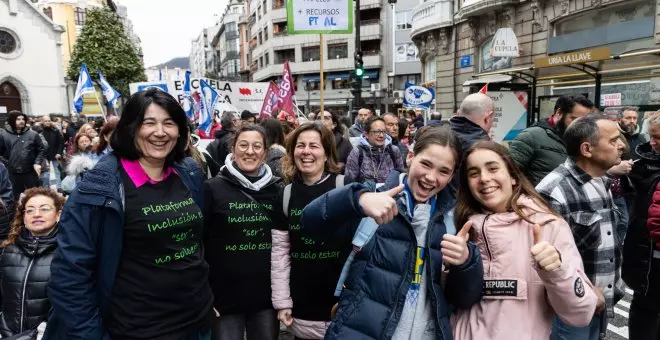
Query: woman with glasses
{"type": "Point", "coordinates": [25, 262]}
{"type": "Point", "coordinates": [375, 157]}
{"type": "Point", "coordinates": [239, 213]}
{"type": "Point", "coordinates": [129, 263]}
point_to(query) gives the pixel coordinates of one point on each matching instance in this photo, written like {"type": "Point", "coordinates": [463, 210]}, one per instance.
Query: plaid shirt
{"type": "Point", "coordinates": [586, 204]}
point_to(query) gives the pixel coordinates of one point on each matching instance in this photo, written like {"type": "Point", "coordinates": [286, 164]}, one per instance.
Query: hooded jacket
{"type": "Point", "coordinates": [634, 140]}
{"type": "Point", "coordinates": [376, 162]}
{"type": "Point", "coordinates": [55, 142]}
{"type": "Point", "coordinates": [505, 240]}
{"type": "Point", "coordinates": [219, 148]}
{"type": "Point", "coordinates": [373, 299]}
{"type": "Point", "coordinates": [467, 132]}
{"type": "Point", "coordinates": [538, 150]}
{"type": "Point", "coordinates": [356, 130]}
{"type": "Point", "coordinates": [638, 247]}
{"type": "Point", "coordinates": [344, 147]}
{"type": "Point", "coordinates": [20, 151]}
{"type": "Point", "coordinates": [274, 159]}
{"type": "Point", "coordinates": [238, 216]}
{"type": "Point", "coordinates": [25, 267]}
{"type": "Point", "coordinates": [89, 250]}
{"type": "Point", "coordinates": [7, 209]}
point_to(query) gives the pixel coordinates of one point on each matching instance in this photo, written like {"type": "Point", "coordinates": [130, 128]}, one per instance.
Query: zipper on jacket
{"type": "Point", "coordinates": [404, 281]}
{"type": "Point", "coordinates": [27, 273]}
{"type": "Point", "coordinates": [483, 232]}
{"type": "Point", "coordinates": [427, 263]}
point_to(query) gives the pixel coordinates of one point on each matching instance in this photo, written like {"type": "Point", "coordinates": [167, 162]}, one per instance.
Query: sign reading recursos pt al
{"type": "Point", "coordinates": [319, 16]}
{"type": "Point", "coordinates": [577, 57]}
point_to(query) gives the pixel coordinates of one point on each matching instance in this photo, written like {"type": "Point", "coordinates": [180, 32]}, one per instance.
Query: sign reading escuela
{"type": "Point", "coordinates": [577, 57]}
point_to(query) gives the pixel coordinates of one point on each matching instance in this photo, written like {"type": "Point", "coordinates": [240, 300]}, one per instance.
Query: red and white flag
{"type": "Point", "coordinates": [286, 91]}
{"type": "Point", "coordinates": [271, 102]}
{"type": "Point", "coordinates": [484, 89]}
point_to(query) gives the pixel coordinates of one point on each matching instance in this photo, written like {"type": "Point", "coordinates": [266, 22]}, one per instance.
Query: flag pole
{"type": "Point", "coordinates": [100, 106]}
{"type": "Point", "coordinates": [321, 73]}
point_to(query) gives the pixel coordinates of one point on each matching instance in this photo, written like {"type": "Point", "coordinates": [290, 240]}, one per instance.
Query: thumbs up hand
{"type": "Point", "coordinates": [543, 252]}
{"type": "Point", "coordinates": [380, 206]}
{"type": "Point", "coordinates": [454, 247]}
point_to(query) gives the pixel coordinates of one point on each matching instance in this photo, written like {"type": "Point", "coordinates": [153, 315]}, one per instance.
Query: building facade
{"type": "Point", "coordinates": [31, 73]}
{"type": "Point", "coordinates": [270, 45]}
{"type": "Point", "coordinates": [198, 53]}
{"type": "Point", "coordinates": [456, 38]}
{"type": "Point", "coordinates": [122, 12]}
{"type": "Point", "coordinates": [229, 44]}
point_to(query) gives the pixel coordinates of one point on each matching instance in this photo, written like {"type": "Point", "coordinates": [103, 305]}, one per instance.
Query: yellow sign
{"type": "Point", "coordinates": [577, 57]}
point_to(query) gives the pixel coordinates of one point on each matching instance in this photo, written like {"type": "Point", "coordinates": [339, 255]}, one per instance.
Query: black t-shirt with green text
{"type": "Point", "coordinates": [161, 290]}
{"type": "Point", "coordinates": [315, 265]}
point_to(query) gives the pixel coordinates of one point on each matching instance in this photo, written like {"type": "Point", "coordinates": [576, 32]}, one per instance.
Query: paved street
{"type": "Point", "coordinates": [617, 329]}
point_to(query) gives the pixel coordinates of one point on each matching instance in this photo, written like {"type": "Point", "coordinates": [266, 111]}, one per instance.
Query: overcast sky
{"type": "Point", "coordinates": [167, 27]}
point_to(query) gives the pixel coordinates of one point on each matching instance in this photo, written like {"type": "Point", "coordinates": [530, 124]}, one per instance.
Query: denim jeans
{"type": "Point", "coordinates": [562, 331]}
{"type": "Point", "coordinates": [262, 325]}
{"type": "Point", "coordinates": [622, 227]}
{"type": "Point", "coordinates": [644, 322]}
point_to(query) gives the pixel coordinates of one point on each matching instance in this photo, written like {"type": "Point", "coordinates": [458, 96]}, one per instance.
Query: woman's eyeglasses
{"type": "Point", "coordinates": [256, 147]}
{"type": "Point", "coordinates": [44, 209]}
{"type": "Point", "coordinates": [378, 132]}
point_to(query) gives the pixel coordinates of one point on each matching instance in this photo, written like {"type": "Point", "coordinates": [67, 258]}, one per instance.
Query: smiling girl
{"type": "Point", "coordinates": [532, 268]}
{"type": "Point", "coordinates": [393, 289]}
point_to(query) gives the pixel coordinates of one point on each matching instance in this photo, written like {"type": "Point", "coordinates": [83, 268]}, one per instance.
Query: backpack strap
{"type": "Point", "coordinates": [286, 199]}
{"type": "Point", "coordinates": [364, 233]}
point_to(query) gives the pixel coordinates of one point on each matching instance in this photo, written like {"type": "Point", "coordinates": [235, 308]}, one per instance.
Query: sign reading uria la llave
{"type": "Point", "coordinates": [577, 57]}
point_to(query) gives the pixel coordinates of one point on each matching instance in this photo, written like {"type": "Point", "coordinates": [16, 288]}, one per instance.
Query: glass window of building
{"type": "Point", "coordinates": [403, 20]}
{"type": "Point", "coordinates": [266, 33]}
{"type": "Point", "coordinates": [340, 84]}
{"type": "Point", "coordinates": [285, 55]}
{"type": "Point", "coordinates": [401, 80]}
{"type": "Point", "coordinates": [311, 53]}
{"type": "Point", "coordinates": [8, 42]}
{"type": "Point", "coordinates": [264, 7]}
{"type": "Point", "coordinates": [338, 51]}
{"type": "Point", "coordinates": [313, 85]}
{"type": "Point", "coordinates": [80, 14]}
{"type": "Point", "coordinates": [429, 69]}
{"type": "Point", "coordinates": [267, 59]}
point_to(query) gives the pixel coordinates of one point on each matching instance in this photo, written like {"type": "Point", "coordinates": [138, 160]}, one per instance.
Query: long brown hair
{"type": "Point", "coordinates": [107, 128]}
{"type": "Point", "coordinates": [332, 165]}
{"type": "Point", "coordinates": [18, 224]}
{"type": "Point", "coordinates": [468, 204]}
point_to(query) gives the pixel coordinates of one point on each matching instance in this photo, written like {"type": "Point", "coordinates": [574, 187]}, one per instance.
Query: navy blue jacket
{"type": "Point", "coordinates": [89, 250]}
{"type": "Point", "coordinates": [375, 289]}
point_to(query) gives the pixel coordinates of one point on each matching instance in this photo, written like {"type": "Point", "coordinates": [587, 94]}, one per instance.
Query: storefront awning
{"type": "Point", "coordinates": [370, 74]}
{"type": "Point", "coordinates": [337, 76]}
{"type": "Point", "coordinates": [311, 78]}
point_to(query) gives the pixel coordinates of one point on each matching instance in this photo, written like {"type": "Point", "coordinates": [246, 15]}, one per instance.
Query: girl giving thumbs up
{"type": "Point", "coordinates": [532, 268]}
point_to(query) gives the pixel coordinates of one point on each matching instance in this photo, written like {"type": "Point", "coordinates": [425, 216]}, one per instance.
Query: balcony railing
{"type": "Point", "coordinates": [432, 15]}
{"type": "Point", "coordinates": [369, 22]}
{"type": "Point", "coordinates": [280, 33]}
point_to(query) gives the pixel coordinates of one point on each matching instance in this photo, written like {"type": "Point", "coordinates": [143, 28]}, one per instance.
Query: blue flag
{"type": "Point", "coordinates": [111, 95]}
{"type": "Point", "coordinates": [188, 105]}
{"type": "Point", "coordinates": [84, 86]}
{"type": "Point", "coordinates": [209, 97]}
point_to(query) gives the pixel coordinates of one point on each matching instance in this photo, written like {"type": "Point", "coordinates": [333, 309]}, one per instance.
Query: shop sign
{"type": "Point", "coordinates": [610, 99]}
{"type": "Point", "coordinates": [505, 43]}
{"type": "Point", "coordinates": [578, 57]}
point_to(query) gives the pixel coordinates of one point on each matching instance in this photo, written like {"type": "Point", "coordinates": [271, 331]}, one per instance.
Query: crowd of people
{"type": "Point", "coordinates": [384, 228]}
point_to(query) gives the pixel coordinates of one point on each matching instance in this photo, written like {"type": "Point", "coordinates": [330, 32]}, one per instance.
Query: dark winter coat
{"type": "Point", "coordinates": [634, 140]}
{"type": "Point", "coordinates": [25, 270]}
{"type": "Point", "coordinates": [20, 151]}
{"type": "Point", "coordinates": [344, 147]}
{"type": "Point", "coordinates": [538, 150]}
{"type": "Point", "coordinates": [55, 142]}
{"type": "Point", "coordinates": [220, 148]}
{"type": "Point", "coordinates": [375, 290]}
{"type": "Point", "coordinates": [638, 246]}
{"type": "Point", "coordinates": [89, 249]}
{"type": "Point", "coordinates": [274, 159]}
{"type": "Point", "coordinates": [7, 209]}
{"type": "Point", "coordinates": [374, 164]}
{"type": "Point", "coordinates": [467, 132]}
{"type": "Point", "coordinates": [403, 148]}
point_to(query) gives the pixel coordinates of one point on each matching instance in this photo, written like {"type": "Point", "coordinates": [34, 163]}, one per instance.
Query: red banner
{"type": "Point", "coordinates": [286, 91]}
{"type": "Point", "coordinates": [271, 102]}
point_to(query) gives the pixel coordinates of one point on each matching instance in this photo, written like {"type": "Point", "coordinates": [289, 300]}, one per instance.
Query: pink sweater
{"type": "Point", "coordinates": [523, 298]}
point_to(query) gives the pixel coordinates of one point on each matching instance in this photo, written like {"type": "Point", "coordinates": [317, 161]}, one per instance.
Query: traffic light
{"type": "Point", "coordinates": [359, 65]}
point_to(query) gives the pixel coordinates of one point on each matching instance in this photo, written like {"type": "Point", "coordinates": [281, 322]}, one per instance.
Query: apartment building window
{"type": "Point", "coordinates": [340, 84]}
{"type": "Point", "coordinates": [404, 20]}
{"type": "Point", "coordinates": [258, 12]}
{"type": "Point", "coordinates": [278, 4]}
{"type": "Point", "coordinates": [285, 55]}
{"type": "Point", "coordinates": [266, 33]}
{"type": "Point", "coordinates": [264, 7]}
{"type": "Point", "coordinates": [261, 62]}
{"type": "Point", "coordinates": [429, 69]}
{"type": "Point", "coordinates": [279, 29]}
{"type": "Point", "coordinates": [312, 85]}
{"type": "Point", "coordinates": [338, 51]}
{"type": "Point", "coordinates": [80, 15]}
{"type": "Point", "coordinates": [311, 53]}
{"type": "Point", "coordinates": [49, 12]}
{"type": "Point", "coordinates": [267, 59]}
{"type": "Point", "coordinates": [260, 36]}
{"type": "Point", "coordinates": [400, 81]}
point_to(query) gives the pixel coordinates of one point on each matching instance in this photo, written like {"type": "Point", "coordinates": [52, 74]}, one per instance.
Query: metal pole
{"type": "Point", "coordinates": [321, 73]}
{"type": "Point", "coordinates": [358, 47]}
{"type": "Point", "coordinates": [597, 94]}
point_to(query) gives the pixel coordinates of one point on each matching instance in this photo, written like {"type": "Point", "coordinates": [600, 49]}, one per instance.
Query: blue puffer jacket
{"type": "Point", "coordinates": [89, 250]}
{"type": "Point", "coordinates": [375, 290]}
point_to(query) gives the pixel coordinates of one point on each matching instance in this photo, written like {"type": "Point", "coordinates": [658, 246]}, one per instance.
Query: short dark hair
{"type": "Point", "coordinates": [371, 121]}
{"type": "Point", "coordinates": [123, 139]}
{"type": "Point", "coordinates": [567, 103]}
{"type": "Point", "coordinates": [245, 115]}
{"type": "Point", "coordinates": [628, 108]}
{"type": "Point", "coordinates": [584, 102]}
{"type": "Point", "coordinates": [403, 126]}
{"type": "Point", "coordinates": [248, 128]}
{"type": "Point", "coordinates": [584, 129]}
{"type": "Point", "coordinates": [274, 132]}
{"type": "Point", "coordinates": [435, 116]}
